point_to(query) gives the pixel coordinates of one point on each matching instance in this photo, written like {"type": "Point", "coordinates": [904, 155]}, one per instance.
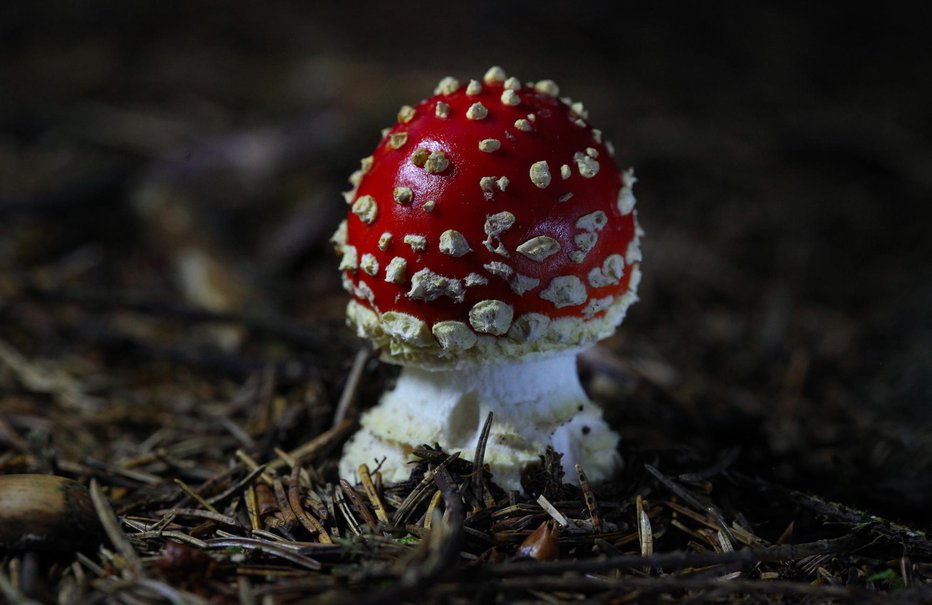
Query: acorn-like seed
{"type": "Point", "coordinates": [46, 512]}
{"type": "Point", "coordinates": [542, 543]}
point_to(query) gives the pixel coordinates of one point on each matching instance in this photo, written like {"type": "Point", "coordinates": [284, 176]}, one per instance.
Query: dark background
{"type": "Point", "coordinates": [784, 163]}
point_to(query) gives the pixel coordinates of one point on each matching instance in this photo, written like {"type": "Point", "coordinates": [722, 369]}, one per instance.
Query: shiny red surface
{"type": "Point", "coordinates": [461, 205]}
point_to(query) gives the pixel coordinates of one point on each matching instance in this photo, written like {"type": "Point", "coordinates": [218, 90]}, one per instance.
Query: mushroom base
{"type": "Point", "coordinates": [535, 403]}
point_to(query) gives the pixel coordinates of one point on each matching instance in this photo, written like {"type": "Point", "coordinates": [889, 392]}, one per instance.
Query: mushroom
{"type": "Point", "coordinates": [490, 238]}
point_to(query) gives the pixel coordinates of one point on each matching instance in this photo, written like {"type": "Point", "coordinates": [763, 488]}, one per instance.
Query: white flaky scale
{"type": "Point", "coordinates": [502, 325]}
{"type": "Point", "coordinates": [491, 317]}
{"type": "Point", "coordinates": [362, 290]}
{"type": "Point", "coordinates": [498, 223]}
{"type": "Point", "coordinates": [626, 199]}
{"type": "Point", "coordinates": [540, 174]}
{"type": "Point", "coordinates": [490, 145]}
{"type": "Point", "coordinates": [547, 87]}
{"type": "Point", "coordinates": [587, 165]}
{"type": "Point", "coordinates": [597, 305]}
{"type": "Point", "coordinates": [453, 243]}
{"type": "Point", "coordinates": [405, 327]}
{"type": "Point", "coordinates": [418, 243]}
{"type": "Point", "coordinates": [495, 225]}
{"type": "Point", "coordinates": [366, 208]}
{"type": "Point", "coordinates": [586, 241]}
{"type": "Point", "coordinates": [397, 140]}
{"type": "Point", "coordinates": [474, 279]}
{"type": "Point", "coordinates": [494, 75]}
{"type": "Point", "coordinates": [447, 86]}
{"type": "Point", "coordinates": [369, 264]}
{"type": "Point", "coordinates": [338, 239]}
{"type": "Point", "coordinates": [385, 240]}
{"type": "Point", "coordinates": [579, 109]}
{"type": "Point", "coordinates": [590, 224]}
{"type": "Point", "coordinates": [436, 162]}
{"type": "Point", "coordinates": [594, 221]}
{"type": "Point", "coordinates": [510, 97]}
{"type": "Point", "coordinates": [499, 269]}
{"type": "Point", "coordinates": [427, 286]}
{"type": "Point", "coordinates": [405, 114]}
{"type": "Point", "coordinates": [419, 157]}
{"type": "Point", "coordinates": [396, 272]}
{"type": "Point", "coordinates": [539, 248]}
{"type": "Point", "coordinates": [454, 335]}
{"type": "Point", "coordinates": [488, 185]}
{"type": "Point", "coordinates": [565, 291]}
{"type": "Point", "coordinates": [477, 111]}
{"type": "Point", "coordinates": [633, 252]}
{"type": "Point", "coordinates": [520, 283]}
{"type": "Point", "coordinates": [350, 259]}
{"type": "Point", "coordinates": [610, 273]}
{"type": "Point", "coordinates": [403, 195]}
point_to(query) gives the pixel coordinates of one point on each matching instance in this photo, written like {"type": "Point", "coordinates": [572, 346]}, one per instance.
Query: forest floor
{"type": "Point", "coordinates": [172, 333]}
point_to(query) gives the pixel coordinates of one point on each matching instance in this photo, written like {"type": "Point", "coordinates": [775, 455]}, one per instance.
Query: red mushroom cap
{"type": "Point", "coordinates": [490, 221]}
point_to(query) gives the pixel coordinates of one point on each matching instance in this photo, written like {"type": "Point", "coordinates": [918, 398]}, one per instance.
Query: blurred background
{"type": "Point", "coordinates": [160, 160]}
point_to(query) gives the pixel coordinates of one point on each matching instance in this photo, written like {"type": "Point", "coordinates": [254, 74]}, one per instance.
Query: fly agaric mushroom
{"type": "Point", "coordinates": [490, 238]}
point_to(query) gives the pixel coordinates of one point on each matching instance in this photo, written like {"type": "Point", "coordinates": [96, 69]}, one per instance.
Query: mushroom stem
{"type": "Point", "coordinates": [536, 403]}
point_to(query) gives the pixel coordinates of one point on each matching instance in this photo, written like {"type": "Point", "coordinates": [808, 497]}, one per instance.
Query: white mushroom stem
{"type": "Point", "coordinates": [535, 403]}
